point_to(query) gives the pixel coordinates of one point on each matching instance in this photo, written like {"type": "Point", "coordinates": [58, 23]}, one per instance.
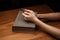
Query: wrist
{"type": "Point", "coordinates": [37, 15]}
{"type": "Point", "coordinates": [42, 16]}
{"type": "Point", "coordinates": [35, 20]}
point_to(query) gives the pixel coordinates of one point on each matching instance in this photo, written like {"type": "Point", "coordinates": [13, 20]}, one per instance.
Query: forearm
{"type": "Point", "coordinates": [49, 16]}
{"type": "Point", "coordinates": [50, 29]}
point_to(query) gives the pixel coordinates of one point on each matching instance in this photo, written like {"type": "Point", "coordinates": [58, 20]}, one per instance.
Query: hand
{"type": "Point", "coordinates": [29, 15]}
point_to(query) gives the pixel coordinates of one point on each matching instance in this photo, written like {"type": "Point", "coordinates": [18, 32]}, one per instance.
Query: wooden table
{"type": "Point", "coordinates": [7, 19]}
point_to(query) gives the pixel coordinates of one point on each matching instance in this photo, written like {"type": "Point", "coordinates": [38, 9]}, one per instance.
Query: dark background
{"type": "Point", "coordinates": [13, 4]}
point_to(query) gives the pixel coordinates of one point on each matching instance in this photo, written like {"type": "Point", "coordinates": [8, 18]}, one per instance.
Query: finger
{"type": "Point", "coordinates": [25, 15]}
{"type": "Point", "coordinates": [27, 10]}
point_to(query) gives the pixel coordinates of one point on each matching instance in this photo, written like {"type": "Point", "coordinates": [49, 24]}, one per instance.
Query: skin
{"type": "Point", "coordinates": [49, 16]}
{"type": "Point", "coordinates": [31, 16]}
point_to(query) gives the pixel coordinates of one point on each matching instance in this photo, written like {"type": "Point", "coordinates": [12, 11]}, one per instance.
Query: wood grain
{"type": "Point", "coordinates": [7, 19]}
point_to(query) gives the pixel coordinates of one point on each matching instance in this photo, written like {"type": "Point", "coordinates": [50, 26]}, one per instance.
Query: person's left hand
{"type": "Point", "coordinates": [29, 15]}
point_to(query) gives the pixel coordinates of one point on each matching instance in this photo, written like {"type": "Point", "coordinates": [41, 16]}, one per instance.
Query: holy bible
{"type": "Point", "coordinates": [20, 25]}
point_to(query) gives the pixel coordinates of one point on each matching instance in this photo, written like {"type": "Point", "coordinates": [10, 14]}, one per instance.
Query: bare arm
{"type": "Point", "coordinates": [30, 15]}
{"type": "Point", "coordinates": [49, 16]}
{"type": "Point", "coordinates": [50, 29]}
